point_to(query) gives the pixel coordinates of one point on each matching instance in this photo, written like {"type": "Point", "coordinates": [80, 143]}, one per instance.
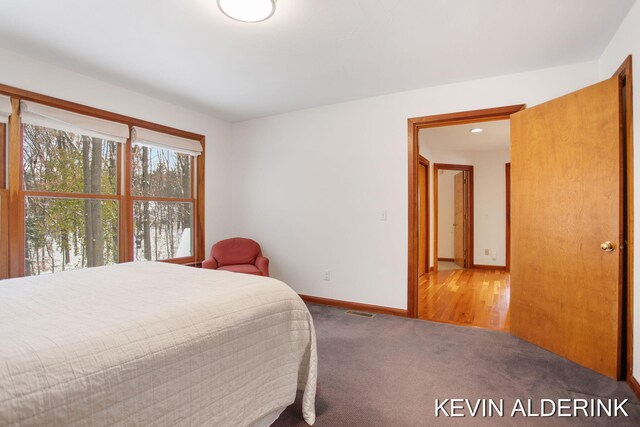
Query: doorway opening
{"type": "Point", "coordinates": [415, 216]}
{"type": "Point", "coordinates": [466, 282]}
{"type": "Point", "coordinates": [453, 216]}
{"type": "Point", "coordinates": [570, 232]}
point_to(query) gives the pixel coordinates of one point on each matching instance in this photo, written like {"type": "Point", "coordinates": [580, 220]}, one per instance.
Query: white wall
{"type": "Point", "coordinates": [446, 213]}
{"type": "Point", "coordinates": [310, 185]}
{"type": "Point", "coordinates": [627, 41]}
{"type": "Point", "coordinates": [36, 76]}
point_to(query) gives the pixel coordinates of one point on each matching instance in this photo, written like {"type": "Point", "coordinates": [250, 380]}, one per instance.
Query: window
{"type": "Point", "coordinates": [162, 203]}
{"type": "Point", "coordinates": [66, 229]}
{"type": "Point", "coordinates": [92, 192]}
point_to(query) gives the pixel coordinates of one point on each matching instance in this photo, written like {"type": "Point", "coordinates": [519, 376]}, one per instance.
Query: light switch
{"type": "Point", "coordinates": [383, 215]}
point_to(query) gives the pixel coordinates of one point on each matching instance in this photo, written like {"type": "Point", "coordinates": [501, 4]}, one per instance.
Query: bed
{"type": "Point", "coordinates": [153, 344]}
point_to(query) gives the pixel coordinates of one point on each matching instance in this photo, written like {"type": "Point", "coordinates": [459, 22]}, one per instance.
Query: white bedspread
{"type": "Point", "coordinates": [152, 344]}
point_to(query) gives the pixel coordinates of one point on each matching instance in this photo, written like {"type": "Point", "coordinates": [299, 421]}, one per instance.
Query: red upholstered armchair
{"type": "Point", "coordinates": [239, 255]}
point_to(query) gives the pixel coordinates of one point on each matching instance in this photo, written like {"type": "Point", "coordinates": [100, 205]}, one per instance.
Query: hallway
{"type": "Point", "coordinates": [470, 297]}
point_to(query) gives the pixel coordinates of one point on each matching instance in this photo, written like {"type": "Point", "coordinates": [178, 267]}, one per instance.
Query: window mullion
{"type": "Point", "coordinates": [16, 194]}
{"type": "Point", "coordinates": [126, 210]}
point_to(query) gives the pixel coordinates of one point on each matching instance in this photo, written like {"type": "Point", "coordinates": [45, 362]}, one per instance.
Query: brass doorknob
{"type": "Point", "coordinates": [607, 246]}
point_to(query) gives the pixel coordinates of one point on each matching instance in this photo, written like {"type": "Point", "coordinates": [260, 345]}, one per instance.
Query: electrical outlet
{"type": "Point", "coordinates": [327, 275]}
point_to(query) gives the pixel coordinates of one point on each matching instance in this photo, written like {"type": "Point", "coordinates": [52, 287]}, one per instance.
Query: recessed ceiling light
{"type": "Point", "coordinates": [248, 10]}
{"type": "Point", "coordinates": [476, 130]}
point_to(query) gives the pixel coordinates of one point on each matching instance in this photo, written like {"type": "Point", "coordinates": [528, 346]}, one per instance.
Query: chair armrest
{"type": "Point", "coordinates": [210, 263]}
{"type": "Point", "coordinates": [262, 263]}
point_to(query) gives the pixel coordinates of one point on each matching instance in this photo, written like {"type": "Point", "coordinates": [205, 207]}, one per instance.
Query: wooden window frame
{"type": "Point", "coordinates": [13, 233]}
{"type": "Point", "coordinates": [190, 260]}
{"type": "Point", "coordinates": [4, 205]}
{"type": "Point", "coordinates": [3, 154]}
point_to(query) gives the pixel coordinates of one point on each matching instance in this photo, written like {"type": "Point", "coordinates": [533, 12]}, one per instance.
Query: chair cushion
{"type": "Point", "coordinates": [235, 251]}
{"type": "Point", "coordinates": [242, 268]}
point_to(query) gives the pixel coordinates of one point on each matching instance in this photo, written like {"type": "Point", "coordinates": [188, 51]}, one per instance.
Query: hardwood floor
{"type": "Point", "coordinates": [465, 297]}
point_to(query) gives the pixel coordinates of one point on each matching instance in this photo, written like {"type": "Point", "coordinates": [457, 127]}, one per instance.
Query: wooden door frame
{"type": "Point", "coordinates": [507, 250]}
{"type": "Point", "coordinates": [414, 126]}
{"type": "Point", "coordinates": [425, 162]}
{"type": "Point", "coordinates": [624, 73]}
{"type": "Point", "coordinates": [468, 238]}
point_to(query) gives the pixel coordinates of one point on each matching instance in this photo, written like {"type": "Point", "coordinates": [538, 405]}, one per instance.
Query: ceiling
{"type": "Point", "coordinates": [312, 52]}
{"type": "Point", "coordinates": [458, 138]}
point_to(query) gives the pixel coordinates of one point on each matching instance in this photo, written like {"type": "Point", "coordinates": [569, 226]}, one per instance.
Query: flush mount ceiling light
{"type": "Point", "coordinates": [476, 130]}
{"type": "Point", "coordinates": [248, 10]}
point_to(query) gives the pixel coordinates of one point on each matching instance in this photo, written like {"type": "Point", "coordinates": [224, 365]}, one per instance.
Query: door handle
{"type": "Point", "coordinates": [607, 246]}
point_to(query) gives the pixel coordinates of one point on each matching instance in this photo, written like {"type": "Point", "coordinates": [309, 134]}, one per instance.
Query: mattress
{"type": "Point", "coordinates": [152, 344]}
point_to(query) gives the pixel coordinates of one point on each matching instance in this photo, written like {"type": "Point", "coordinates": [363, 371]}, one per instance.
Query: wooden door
{"type": "Point", "coordinates": [566, 195]}
{"type": "Point", "coordinates": [423, 225]}
{"type": "Point", "coordinates": [459, 224]}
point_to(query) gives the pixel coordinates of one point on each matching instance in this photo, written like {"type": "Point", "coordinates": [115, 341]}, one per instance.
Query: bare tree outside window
{"type": "Point", "coordinates": [68, 231]}
{"type": "Point", "coordinates": [72, 202]}
{"type": "Point", "coordinates": [162, 228]}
